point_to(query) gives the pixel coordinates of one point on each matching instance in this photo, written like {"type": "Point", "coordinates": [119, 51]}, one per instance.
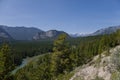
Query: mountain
{"type": "Point", "coordinates": [51, 34]}
{"type": "Point", "coordinates": [75, 35]}
{"type": "Point", "coordinates": [21, 33]}
{"type": "Point", "coordinates": [24, 33]}
{"type": "Point", "coordinates": [103, 31]}
{"type": "Point", "coordinates": [78, 35]}
{"type": "Point", "coordinates": [4, 35]}
{"type": "Point", "coordinates": [108, 30]}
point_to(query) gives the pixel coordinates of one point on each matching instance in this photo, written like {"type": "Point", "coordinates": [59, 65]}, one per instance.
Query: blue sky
{"type": "Point", "coordinates": [72, 16]}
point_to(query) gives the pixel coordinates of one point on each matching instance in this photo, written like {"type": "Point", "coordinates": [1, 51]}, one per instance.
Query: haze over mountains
{"type": "Point", "coordinates": [102, 31]}
{"type": "Point", "coordinates": [21, 33]}
{"type": "Point", "coordinates": [4, 35]}
{"type": "Point", "coordinates": [24, 33]}
{"type": "Point", "coordinates": [108, 30]}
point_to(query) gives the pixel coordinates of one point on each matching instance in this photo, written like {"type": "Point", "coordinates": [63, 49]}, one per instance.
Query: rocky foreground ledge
{"type": "Point", "coordinates": [104, 67]}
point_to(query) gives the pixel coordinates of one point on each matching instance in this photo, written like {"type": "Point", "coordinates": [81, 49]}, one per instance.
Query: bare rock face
{"type": "Point", "coordinates": [105, 67]}
{"type": "Point", "coordinates": [51, 34]}
{"type": "Point", "coordinates": [39, 35]}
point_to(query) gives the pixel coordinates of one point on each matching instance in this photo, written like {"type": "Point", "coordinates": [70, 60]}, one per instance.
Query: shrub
{"type": "Point", "coordinates": [115, 76]}
{"type": "Point", "coordinates": [98, 78]}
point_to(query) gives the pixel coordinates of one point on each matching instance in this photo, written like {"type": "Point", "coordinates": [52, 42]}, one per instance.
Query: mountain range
{"type": "Point", "coordinates": [108, 30]}
{"type": "Point", "coordinates": [21, 33]}
{"type": "Point", "coordinates": [31, 33]}
{"type": "Point", "coordinates": [102, 31]}
{"type": "Point", "coordinates": [4, 35]}
{"type": "Point", "coordinates": [24, 33]}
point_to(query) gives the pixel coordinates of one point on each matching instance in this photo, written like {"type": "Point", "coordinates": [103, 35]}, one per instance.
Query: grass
{"type": "Point", "coordinates": [115, 76]}
{"type": "Point", "coordinates": [66, 76]}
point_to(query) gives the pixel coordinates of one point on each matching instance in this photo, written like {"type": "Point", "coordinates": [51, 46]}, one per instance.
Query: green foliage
{"type": "Point", "coordinates": [64, 58]}
{"type": "Point", "coordinates": [2, 65]}
{"type": "Point", "coordinates": [115, 76]}
{"type": "Point", "coordinates": [6, 63]}
{"type": "Point", "coordinates": [98, 78]}
{"type": "Point", "coordinates": [65, 76]}
{"type": "Point", "coordinates": [23, 49]}
{"type": "Point", "coordinates": [37, 70]}
{"type": "Point", "coordinates": [60, 61]}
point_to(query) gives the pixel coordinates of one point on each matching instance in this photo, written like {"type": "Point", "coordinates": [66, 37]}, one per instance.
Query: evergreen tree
{"type": "Point", "coordinates": [6, 63]}
{"type": "Point", "coordinates": [2, 62]}
{"type": "Point", "coordinates": [60, 61]}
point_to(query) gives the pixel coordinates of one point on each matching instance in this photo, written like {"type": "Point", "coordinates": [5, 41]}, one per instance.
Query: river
{"type": "Point", "coordinates": [23, 64]}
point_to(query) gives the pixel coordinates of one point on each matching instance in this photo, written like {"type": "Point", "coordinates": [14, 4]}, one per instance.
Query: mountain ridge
{"type": "Point", "coordinates": [107, 30]}
{"type": "Point", "coordinates": [4, 35]}
{"type": "Point", "coordinates": [31, 33]}
{"type": "Point", "coordinates": [21, 33]}
{"type": "Point", "coordinates": [102, 31]}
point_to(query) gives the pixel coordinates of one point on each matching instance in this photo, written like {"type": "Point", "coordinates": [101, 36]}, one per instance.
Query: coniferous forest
{"type": "Point", "coordinates": [56, 58]}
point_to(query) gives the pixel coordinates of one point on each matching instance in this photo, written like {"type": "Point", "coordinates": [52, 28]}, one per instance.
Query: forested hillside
{"type": "Point", "coordinates": [66, 56]}
{"type": "Point", "coordinates": [59, 39]}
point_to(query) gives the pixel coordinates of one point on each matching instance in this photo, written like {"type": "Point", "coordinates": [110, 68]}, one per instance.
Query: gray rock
{"type": "Point", "coordinates": [51, 34]}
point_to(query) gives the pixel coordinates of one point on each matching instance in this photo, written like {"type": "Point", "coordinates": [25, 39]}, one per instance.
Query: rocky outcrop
{"type": "Point", "coordinates": [101, 68]}
{"type": "Point", "coordinates": [51, 34]}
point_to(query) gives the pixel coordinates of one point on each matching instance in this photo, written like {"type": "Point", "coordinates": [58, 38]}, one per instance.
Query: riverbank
{"type": "Point", "coordinates": [25, 61]}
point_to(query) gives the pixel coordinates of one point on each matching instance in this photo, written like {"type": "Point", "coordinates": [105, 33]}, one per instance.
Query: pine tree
{"type": "Point", "coordinates": [60, 57]}
{"type": "Point", "coordinates": [2, 62]}
{"type": "Point", "coordinates": [6, 64]}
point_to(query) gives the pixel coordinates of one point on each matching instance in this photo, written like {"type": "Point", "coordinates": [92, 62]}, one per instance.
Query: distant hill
{"type": "Point", "coordinates": [51, 34]}
{"type": "Point", "coordinates": [102, 31]}
{"type": "Point", "coordinates": [108, 30]}
{"type": "Point", "coordinates": [21, 33]}
{"type": "Point", "coordinates": [78, 35]}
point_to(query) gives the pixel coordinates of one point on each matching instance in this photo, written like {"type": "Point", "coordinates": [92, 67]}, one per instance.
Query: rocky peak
{"type": "Point", "coordinates": [51, 34]}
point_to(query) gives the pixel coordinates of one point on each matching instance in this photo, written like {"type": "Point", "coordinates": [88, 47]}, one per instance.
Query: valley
{"type": "Point", "coordinates": [69, 58]}
{"type": "Point", "coordinates": [59, 39]}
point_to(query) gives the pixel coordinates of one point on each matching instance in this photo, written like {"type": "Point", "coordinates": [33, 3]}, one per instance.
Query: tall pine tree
{"type": "Point", "coordinates": [6, 63]}
{"type": "Point", "coordinates": [60, 61]}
